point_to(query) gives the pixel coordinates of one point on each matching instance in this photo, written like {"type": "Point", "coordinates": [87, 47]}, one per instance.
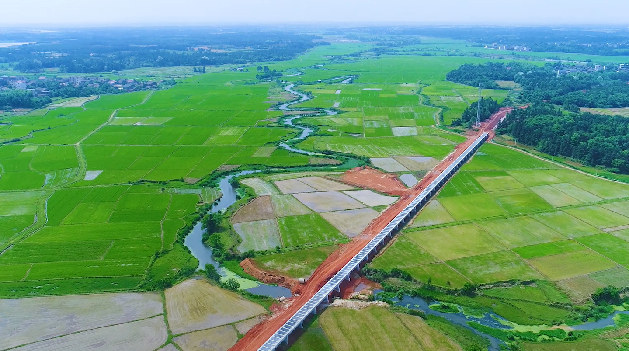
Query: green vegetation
{"type": "Point", "coordinates": [99, 197]}
{"type": "Point", "coordinates": [379, 326]}
{"type": "Point", "coordinates": [307, 229]}
{"type": "Point", "coordinates": [295, 264]}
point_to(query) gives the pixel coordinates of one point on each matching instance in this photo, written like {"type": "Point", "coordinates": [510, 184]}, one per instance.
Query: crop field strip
{"type": "Point", "coordinates": [562, 240]}
{"type": "Point", "coordinates": [142, 321]}
{"type": "Point", "coordinates": [290, 221]}
{"type": "Point", "coordinates": [96, 233]}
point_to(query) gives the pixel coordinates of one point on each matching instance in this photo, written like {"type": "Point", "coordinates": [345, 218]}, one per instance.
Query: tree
{"type": "Point", "coordinates": [212, 273]}
{"type": "Point", "coordinates": [231, 284]}
{"type": "Point", "coordinates": [468, 289]}
{"type": "Point", "coordinates": [211, 222]}
{"type": "Point", "coordinates": [607, 295]}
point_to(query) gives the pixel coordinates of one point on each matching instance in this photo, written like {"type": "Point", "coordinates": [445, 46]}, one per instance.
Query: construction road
{"type": "Point", "coordinates": [258, 335]}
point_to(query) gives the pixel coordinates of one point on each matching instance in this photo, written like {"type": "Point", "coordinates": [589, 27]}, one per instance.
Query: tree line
{"type": "Point", "coordinates": [553, 123]}
{"type": "Point", "coordinates": [21, 99]}
{"type": "Point", "coordinates": [488, 107]}
{"type": "Point", "coordinates": [596, 140]}
{"type": "Point", "coordinates": [576, 86]}
{"type": "Point", "coordinates": [104, 50]}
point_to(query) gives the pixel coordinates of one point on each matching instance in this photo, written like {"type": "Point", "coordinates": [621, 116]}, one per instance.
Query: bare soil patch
{"type": "Point", "coordinates": [196, 305]}
{"type": "Point", "coordinates": [409, 180]}
{"type": "Point", "coordinates": [417, 163]}
{"type": "Point", "coordinates": [371, 198]}
{"type": "Point", "coordinates": [76, 102]}
{"type": "Point", "coordinates": [40, 318]}
{"type": "Point", "coordinates": [352, 222]}
{"type": "Point", "coordinates": [580, 288]}
{"type": "Point", "coordinates": [357, 305]}
{"type": "Point", "coordinates": [227, 168]}
{"type": "Point", "coordinates": [623, 111]}
{"type": "Point", "coordinates": [323, 184]}
{"type": "Point", "coordinates": [143, 335]}
{"type": "Point", "coordinates": [328, 201]}
{"type": "Point", "coordinates": [388, 164]}
{"type": "Point", "coordinates": [217, 339]}
{"type": "Point", "coordinates": [244, 326]}
{"type": "Point", "coordinates": [268, 277]}
{"type": "Point", "coordinates": [292, 186]}
{"type": "Point", "coordinates": [258, 209]}
{"type": "Point", "coordinates": [367, 177]}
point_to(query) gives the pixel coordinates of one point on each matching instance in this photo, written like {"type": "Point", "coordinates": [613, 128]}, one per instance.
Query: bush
{"type": "Point", "coordinates": [212, 273]}
{"type": "Point", "coordinates": [231, 284]}
{"type": "Point", "coordinates": [607, 295]}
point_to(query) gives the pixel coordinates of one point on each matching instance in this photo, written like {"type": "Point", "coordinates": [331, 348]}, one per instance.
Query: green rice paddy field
{"type": "Point", "coordinates": [75, 217]}
{"type": "Point", "coordinates": [92, 197]}
{"type": "Point", "coordinates": [509, 216]}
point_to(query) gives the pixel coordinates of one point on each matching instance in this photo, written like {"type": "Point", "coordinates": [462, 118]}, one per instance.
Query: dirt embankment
{"type": "Point", "coordinates": [269, 278]}
{"type": "Point", "coordinates": [367, 177]}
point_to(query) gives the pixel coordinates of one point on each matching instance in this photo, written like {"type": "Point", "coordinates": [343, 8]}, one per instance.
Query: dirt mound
{"type": "Point", "coordinates": [268, 277]}
{"type": "Point", "coordinates": [367, 177]}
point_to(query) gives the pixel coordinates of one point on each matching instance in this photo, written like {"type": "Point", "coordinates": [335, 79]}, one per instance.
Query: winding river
{"type": "Point", "coordinates": [194, 240]}
{"type": "Point", "coordinates": [229, 196]}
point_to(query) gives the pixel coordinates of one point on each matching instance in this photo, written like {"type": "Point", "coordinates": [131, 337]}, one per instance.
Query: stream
{"type": "Point", "coordinates": [194, 240]}
{"type": "Point", "coordinates": [490, 319]}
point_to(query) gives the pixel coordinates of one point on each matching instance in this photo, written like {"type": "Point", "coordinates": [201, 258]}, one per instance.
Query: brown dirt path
{"type": "Point", "coordinates": [259, 334]}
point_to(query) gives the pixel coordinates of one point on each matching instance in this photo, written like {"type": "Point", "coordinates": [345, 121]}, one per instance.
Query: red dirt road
{"type": "Point", "coordinates": [367, 177]}
{"type": "Point", "coordinates": [259, 334]}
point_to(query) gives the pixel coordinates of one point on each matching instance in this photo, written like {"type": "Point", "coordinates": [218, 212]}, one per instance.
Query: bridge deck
{"type": "Point", "coordinates": [407, 213]}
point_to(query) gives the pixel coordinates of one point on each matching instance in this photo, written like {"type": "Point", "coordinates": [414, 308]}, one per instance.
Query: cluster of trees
{"type": "Point", "coordinates": [11, 99]}
{"type": "Point", "coordinates": [609, 295]}
{"type": "Point", "coordinates": [16, 98]}
{"type": "Point", "coordinates": [583, 88]}
{"type": "Point", "coordinates": [487, 108]}
{"type": "Point", "coordinates": [212, 274]}
{"type": "Point", "coordinates": [487, 74]}
{"type": "Point", "coordinates": [267, 74]}
{"type": "Point", "coordinates": [596, 140]}
{"type": "Point", "coordinates": [103, 50]}
{"type": "Point", "coordinates": [611, 42]}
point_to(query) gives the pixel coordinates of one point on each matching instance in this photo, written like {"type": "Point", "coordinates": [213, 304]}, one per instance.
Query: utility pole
{"type": "Point", "coordinates": [478, 106]}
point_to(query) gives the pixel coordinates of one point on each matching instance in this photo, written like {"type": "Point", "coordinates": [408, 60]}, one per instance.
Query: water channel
{"type": "Point", "coordinates": [194, 240]}
{"type": "Point", "coordinates": [203, 253]}
{"type": "Point", "coordinates": [490, 319]}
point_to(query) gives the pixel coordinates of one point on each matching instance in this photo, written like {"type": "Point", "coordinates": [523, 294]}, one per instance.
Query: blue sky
{"type": "Point", "coordinates": [208, 12]}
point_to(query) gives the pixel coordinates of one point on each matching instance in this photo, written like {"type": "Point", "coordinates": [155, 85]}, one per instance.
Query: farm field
{"type": "Point", "coordinates": [116, 321]}
{"type": "Point", "coordinates": [94, 194]}
{"type": "Point", "coordinates": [94, 236]}
{"type": "Point", "coordinates": [347, 329]}
{"type": "Point", "coordinates": [306, 210]}
{"type": "Point", "coordinates": [509, 216]}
